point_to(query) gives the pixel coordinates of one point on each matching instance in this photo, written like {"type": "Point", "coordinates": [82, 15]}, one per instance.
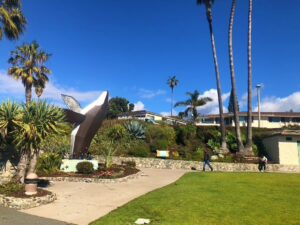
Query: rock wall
{"type": "Point", "coordinates": [25, 203]}
{"type": "Point", "coordinates": [93, 180]}
{"type": "Point", "coordinates": [186, 165]}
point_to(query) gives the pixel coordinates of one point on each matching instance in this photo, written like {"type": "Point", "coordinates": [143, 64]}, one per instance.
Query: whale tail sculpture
{"type": "Point", "coordinates": [88, 121]}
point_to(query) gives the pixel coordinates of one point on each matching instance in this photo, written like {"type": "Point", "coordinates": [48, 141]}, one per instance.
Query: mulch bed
{"type": "Point", "coordinates": [21, 194]}
{"type": "Point", "coordinates": [116, 171]}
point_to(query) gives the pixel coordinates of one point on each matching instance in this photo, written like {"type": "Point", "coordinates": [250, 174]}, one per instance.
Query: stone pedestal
{"type": "Point", "coordinates": [31, 184]}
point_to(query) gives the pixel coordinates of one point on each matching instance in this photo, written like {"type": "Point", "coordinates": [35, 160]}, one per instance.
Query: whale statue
{"type": "Point", "coordinates": [87, 121]}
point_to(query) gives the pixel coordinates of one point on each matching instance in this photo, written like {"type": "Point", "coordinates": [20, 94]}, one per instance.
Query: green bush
{"type": "Point", "coordinates": [48, 163]}
{"type": "Point", "coordinates": [185, 133]}
{"type": "Point", "coordinates": [85, 167]}
{"type": "Point", "coordinates": [139, 149]}
{"type": "Point", "coordinates": [207, 133]}
{"type": "Point", "coordinates": [10, 188]}
{"type": "Point", "coordinates": [59, 144]}
{"type": "Point", "coordinates": [160, 137]}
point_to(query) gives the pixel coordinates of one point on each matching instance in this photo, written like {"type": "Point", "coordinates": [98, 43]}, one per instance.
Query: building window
{"type": "Point", "coordinates": [274, 119]}
{"type": "Point", "coordinates": [296, 120]}
{"type": "Point", "coordinates": [208, 121]}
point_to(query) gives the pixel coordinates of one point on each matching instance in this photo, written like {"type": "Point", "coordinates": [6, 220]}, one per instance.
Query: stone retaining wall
{"type": "Point", "coordinates": [182, 164]}
{"type": "Point", "coordinates": [26, 203]}
{"type": "Point", "coordinates": [93, 180]}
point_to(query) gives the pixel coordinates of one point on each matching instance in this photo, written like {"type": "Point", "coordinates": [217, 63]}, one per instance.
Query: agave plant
{"type": "Point", "coordinates": [135, 129]}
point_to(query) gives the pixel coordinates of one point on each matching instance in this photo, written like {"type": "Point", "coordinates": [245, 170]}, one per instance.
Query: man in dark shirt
{"type": "Point", "coordinates": [207, 160]}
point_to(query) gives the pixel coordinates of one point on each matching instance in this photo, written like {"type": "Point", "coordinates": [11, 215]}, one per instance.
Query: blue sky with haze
{"type": "Point", "coordinates": [131, 48]}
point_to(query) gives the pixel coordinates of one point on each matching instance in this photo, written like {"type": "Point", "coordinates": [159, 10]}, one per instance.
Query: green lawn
{"type": "Point", "coordinates": [217, 198]}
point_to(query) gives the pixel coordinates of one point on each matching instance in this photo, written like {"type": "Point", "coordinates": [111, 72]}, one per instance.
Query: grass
{"type": "Point", "coordinates": [217, 198]}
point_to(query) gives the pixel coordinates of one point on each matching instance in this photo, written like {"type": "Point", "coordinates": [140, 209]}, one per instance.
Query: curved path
{"type": "Point", "coordinates": [82, 203]}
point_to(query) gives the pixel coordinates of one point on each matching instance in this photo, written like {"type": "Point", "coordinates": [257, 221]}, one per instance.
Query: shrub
{"type": "Point", "coordinates": [185, 133]}
{"type": "Point", "coordinates": [110, 141]}
{"type": "Point", "coordinates": [160, 137]}
{"type": "Point", "coordinates": [48, 163]}
{"type": "Point", "coordinates": [85, 167]}
{"type": "Point", "coordinates": [10, 188]}
{"type": "Point", "coordinates": [139, 149]}
{"type": "Point", "coordinates": [59, 144]}
{"type": "Point", "coordinates": [206, 133]}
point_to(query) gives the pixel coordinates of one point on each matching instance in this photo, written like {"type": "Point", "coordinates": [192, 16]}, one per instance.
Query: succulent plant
{"type": "Point", "coordinates": [135, 129]}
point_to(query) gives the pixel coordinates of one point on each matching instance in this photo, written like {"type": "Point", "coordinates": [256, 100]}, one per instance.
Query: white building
{"type": "Point", "coordinates": [150, 117]}
{"type": "Point", "coordinates": [268, 119]}
{"type": "Point", "coordinates": [284, 147]}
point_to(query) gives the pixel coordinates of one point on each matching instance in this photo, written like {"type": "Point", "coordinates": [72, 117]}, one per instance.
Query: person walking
{"type": "Point", "coordinates": [262, 163]}
{"type": "Point", "coordinates": [207, 160]}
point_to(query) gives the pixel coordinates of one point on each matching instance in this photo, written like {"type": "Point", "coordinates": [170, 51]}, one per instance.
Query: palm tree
{"type": "Point", "coordinates": [249, 122]}
{"type": "Point", "coordinates": [208, 5]}
{"type": "Point", "coordinates": [233, 81]}
{"type": "Point", "coordinates": [192, 104]}
{"type": "Point", "coordinates": [12, 20]}
{"type": "Point", "coordinates": [28, 65]}
{"type": "Point", "coordinates": [37, 121]}
{"type": "Point", "coordinates": [172, 82]}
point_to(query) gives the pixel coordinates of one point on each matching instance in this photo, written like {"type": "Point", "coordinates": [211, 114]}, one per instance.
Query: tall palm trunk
{"type": "Point", "coordinates": [249, 122]}
{"type": "Point", "coordinates": [22, 165]}
{"type": "Point", "coordinates": [233, 81]}
{"type": "Point", "coordinates": [28, 93]}
{"type": "Point", "coordinates": [219, 89]}
{"type": "Point", "coordinates": [172, 102]}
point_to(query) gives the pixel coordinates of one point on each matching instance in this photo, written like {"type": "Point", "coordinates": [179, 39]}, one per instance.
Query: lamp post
{"type": "Point", "coordinates": [258, 87]}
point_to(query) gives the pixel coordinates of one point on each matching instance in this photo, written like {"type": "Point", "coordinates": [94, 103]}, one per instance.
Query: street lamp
{"type": "Point", "coordinates": [258, 87]}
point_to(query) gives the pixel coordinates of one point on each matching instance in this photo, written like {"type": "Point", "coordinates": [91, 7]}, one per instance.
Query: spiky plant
{"type": "Point", "coordinates": [135, 129]}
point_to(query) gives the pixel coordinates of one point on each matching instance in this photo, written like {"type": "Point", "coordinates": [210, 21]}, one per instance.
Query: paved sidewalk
{"type": "Point", "coordinates": [82, 203]}
{"type": "Point", "coordinates": [14, 217]}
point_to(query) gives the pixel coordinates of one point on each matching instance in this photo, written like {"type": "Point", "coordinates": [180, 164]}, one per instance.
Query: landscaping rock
{"type": "Point", "coordinates": [25, 203]}
{"type": "Point", "coordinates": [142, 221]}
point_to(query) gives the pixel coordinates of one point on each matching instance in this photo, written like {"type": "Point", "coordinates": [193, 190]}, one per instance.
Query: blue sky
{"type": "Point", "coordinates": [131, 48]}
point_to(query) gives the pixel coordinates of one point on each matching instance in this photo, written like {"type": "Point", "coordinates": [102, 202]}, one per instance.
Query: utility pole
{"type": "Point", "coordinates": [258, 87]}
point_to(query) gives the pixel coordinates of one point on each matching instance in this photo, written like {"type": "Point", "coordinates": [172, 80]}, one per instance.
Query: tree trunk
{"type": "Point", "coordinates": [22, 165]}
{"type": "Point", "coordinates": [249, 119]}
{"type": "Point", "coordinates": [33, 161]}
{"type": "Point", "coordinates": [219, 89]}
{"type": "Point", "coordinates": [233, 80]}
{"type": "Point", "coordinates": [172, 102]}
{"type": "Point", "coordinates": [28, 93]}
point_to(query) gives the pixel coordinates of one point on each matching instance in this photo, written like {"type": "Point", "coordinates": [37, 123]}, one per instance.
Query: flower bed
{"type": "Point", "coordinates": [117, 173]}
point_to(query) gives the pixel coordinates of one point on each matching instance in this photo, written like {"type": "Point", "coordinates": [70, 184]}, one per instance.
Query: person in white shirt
{"type": "Point", "coordinates": [262, 163]}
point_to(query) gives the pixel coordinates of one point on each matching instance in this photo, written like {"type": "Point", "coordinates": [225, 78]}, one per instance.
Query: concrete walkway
{"type": "Point", "coordinates": [82, 203]}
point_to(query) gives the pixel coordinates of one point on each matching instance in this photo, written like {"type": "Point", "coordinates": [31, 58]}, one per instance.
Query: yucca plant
{"type": "Point", "coordinates": [135, 129]}
{"type": "Point", "coordinates": [9, 112]}
{"type": "Point", "coordinates": [38, 121]}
